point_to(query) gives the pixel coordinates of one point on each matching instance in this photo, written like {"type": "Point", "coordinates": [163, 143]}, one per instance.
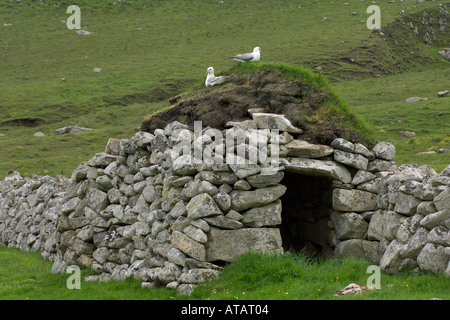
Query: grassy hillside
{"type": "Point", "coordinates": [151, 50]}
{"type": "Point", "coordinates": [25, 276]}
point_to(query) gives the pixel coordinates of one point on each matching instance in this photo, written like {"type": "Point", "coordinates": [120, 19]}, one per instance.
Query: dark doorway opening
{"type": "Point", "coordinates": [306, 210]}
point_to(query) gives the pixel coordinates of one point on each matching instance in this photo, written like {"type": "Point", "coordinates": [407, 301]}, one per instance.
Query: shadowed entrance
{"type": "Point", "coordinates": [306, 210]}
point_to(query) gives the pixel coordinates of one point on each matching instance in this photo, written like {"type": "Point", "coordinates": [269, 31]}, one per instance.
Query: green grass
{"type": "Point", "coordinates": [333, 104]}
{"type": "Point", "coordinates": [252, 276]}
{"type": "Point", "coordinates": [382, 103]}
{"type": "Point", "coordinates": [149, 51]}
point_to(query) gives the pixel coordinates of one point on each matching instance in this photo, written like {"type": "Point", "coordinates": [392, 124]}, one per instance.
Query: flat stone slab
{"type": "Point", "coordinates": [354, 200]}
{"type": "Point", "coordinates": [314, 167]}
{"type": "Point", "coordinates": [304, 149]}
{"type": "Point", "coordinates": [227, 245]}
{"type": "Point", "coordinates": [242, 200]}
{"type": "Point", "coordinates": [274, 121]}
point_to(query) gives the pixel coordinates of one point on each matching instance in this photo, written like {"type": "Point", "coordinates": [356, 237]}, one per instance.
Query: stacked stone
{"type": "Point", "coordinates": [132, 211]}
{"type": "Point", "coordinates": [384, 214]}
{"type": "Point", "coordinates": [136, 210]}
{"type": "Point", "coordinates": [29, 211]}
{"type": "Point", "coordinates": [356, 202]}
{"type": "Point", "coordinates": [412, 225]}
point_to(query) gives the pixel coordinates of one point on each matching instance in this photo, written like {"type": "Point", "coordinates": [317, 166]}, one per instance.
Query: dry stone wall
{"type": "Point", "coordinates": [136, 210]}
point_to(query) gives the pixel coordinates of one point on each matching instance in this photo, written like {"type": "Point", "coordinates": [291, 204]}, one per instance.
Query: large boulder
{"type": "Point", "coordinates": [354, 200]}
{"type": "Point", "coordinates": [227, 245]}
{"type": "Point", "coordinates": [314, 167]}
{"type": "Point", "coordinates": [187, 245]}
{"type": "Point", "coordinates": [384, 150]}
{"type": "Point", "coordinates": [434, 257]}
{"type": "Point", "coordinates": [268, 215]}
{"type": "Point", "coordinates": [349, 225]}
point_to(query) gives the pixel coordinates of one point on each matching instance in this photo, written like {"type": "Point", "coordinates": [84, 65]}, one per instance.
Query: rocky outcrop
{"type": "Point", "coordinates": [149, 208]}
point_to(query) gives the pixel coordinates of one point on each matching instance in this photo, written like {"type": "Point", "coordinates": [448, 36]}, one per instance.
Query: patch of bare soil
{"type": "Point", "coordinates": [269, 90]}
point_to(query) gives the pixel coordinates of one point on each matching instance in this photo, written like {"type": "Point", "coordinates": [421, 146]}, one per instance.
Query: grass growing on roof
{"type": "Point", "coordinates": [334, 104]}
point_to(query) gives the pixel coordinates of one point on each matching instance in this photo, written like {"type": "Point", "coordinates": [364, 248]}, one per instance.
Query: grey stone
{"type": "Point", "coordinates": [113, 146]}
{"type": "Point", "coordinates": [242, 185]}
{"type": "Point", "coordinates": [379, 165]}
{"type": "Point", "coordinates": [384, 150]}
{"type": "Point", "coordinates": [70, 206]}
{"type": "Point", "coordinates": [223, 200]}
{"type": "Point", "coordinates": [71, 129]}
{"type": "Point", "coordinates": [435, 219]}
{"type": "Point", "coordinates": [354, 200]}
{"type": "Point", "coordinates": [196, 234]}
{"type": "Point", "coordinates": [343, 145]}
{"type": "Point", "coordinates": [375, 230]}
{"type": "Point", "coordinates": [426, 207]}
{"type": "Point", "coordinates": [199, 275]}
{"type": "Point", "coordinates": [415, 99]}
{"type": "Point", "coordinates": [96, 200]}
{"type": "Point", "coordinates": [218, 178]}
{"type": "Point", "coordinates": [227, 245]}
{"type": "Point", "coordinates": [242, 169]}
{"type": "Point", "coordinates": [358, 248]}
{"type": "Point", "coordinates": [391, 223]}
{"type": "Point", "coordinates": [415, 244]}
{"type": "Point", "coordinates": [362, 176]}
{"type": "Point", "coordinates": [59, 266]}
{"type": "Point", "coordinates": [361, 149]}
{"type": "Point", "coordinates": [268, 215]}
{"type": "Point", "coordinates": [353, 160]}
{"type": "Point", "coordinates": [433, 257]}
{"type": "Point", "coordinates": [303, 149]}
{"type": "Point", "coordinates": [185, 289]}
{"type": "Point", "coordinates": [189, 246]}
{"type": "Point", "coordinates": [101, 160]}
{"type": "Point", "coordinates": [439, 235]}
{"type": "Point", "coordinates": [101, 254]}
{"type": "Point", "coordinates": [264, 180]}
{"type": "Point", "coordinates": [241, 200]}
{"type": "Point", "coordinates": [391, 259]}
{"type": "Point", "coordinates": [370, 186]}
{"type": "Point", "coordinates": [201, 224]}
{"type": "Point", "coordinates": [274, 121]}
{"type": "Point", "coordinates": [178, 210]}
{"type": "Point", "coordinates": [185, 165]}
{"type": "Point", "coordinates": [209, 188]}
{"type": "Point", "coordinates": [349, 225]}
{"type": "Point", "coordinates": [223, 222]}
{"type": "Point", "coordinates": [201, 206]}
{"type": "Point", "coordinates": [442, 201]}
{"type": "Point", "coordinates": [151, 193]}
{"type": "Point", "coordinates": [176, 256]}
{"type": "Point", "coordinates": [406, 204]}
{"type": "Point", "coordinates": [316, 167]}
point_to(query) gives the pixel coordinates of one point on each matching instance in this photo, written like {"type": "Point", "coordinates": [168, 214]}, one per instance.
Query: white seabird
{"type": "Point", "coordinates": [254, 56]}
{"type": "Point", "coordinates": [211, 79]}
